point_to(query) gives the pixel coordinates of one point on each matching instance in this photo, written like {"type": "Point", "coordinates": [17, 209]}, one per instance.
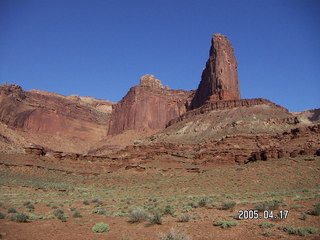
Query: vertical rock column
{"type": "Point", "coordinates": [219, 80]}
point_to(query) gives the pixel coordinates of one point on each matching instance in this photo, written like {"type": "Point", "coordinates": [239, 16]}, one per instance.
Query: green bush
{"type": "Point", "coordinates": [138, 215]}
{"type": "Point", "coordinates": [228, 205]}
{"type": "Point", "coordinates": [156, 219]}
{"type": "Point", "coordinates": [100, 227]}
{"type": "Point", "coordinates": [266, 225]}
{"type": "Point", "coordinates": [225, 224]}
{"type": "Point", "coordinates": [184, 218]}
{"type": "Point", "coordinates": [86, 202]}
{"type": "Point", "coordinates": [12, 210]}
{"type": "Point", "coordinates": [316, 210]}
{"type": "Point", "coordinates": [2, 215]}
{"type": "Point", "coordinates": [34, 216]}
{"type": "Point", "coordinates": [76, 214]}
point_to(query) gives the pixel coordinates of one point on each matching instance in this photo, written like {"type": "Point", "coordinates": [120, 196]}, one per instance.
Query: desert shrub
{"type": "Point", "coordinates": [95, 200]}
{"type": "Point", "coordinates": [267, 233]}
{"type": "Point", "coordinates": [26, 203]}
{"type": "Point", "coordinates": [203, 202]}
{"type": "Point", "coordinates": [138, 215]}
{"type": "Point", "coordinates": [76, 214]}
{"type": "Point", "coordinates": [270, 205]}
{"type": "Point", "coordinates": [98, 211]}
{"type": "Point", "coordinates": [316, 210]}
{"type": "Point", "coordinates": [62, 218]}
{"type": "Point", "coordinates": [192, 204]}
{"type": "Point", "coordinates": [1, 204]}
{"type": "Point", "coordinates": [54, 206]}
{"type": "Point", "coordinates": [174, 235]}
{"type": "Point", "coordinates": [296, 207]}
{"type": "Point", "coordinates": [100, 227]}
{"type": "Point", "coordinates": [311, 230]}
{"type": "Point", "coordinates": [121, 214]}
{"type": "Point", "coordinates": [184, 218]}
{"type": "Point", "coordinates": [266, 225]}
{"type": "Point", "coordinates": [2, 215]}
{"type": "Point", "coordinates": [30, 208]}
{"type": "Point", "coordinates": [12, 210]}
{"type": "Point", "coordinates": [156, 219]}
{"type": "Point", "coordinates": [169, 210]}
{"type": "Point", "coordinates": [34, 216]}
{"type": "Point", "coordinates": [187, 208]}
{"type": "Point", "coordinates": [86, 202]}
{"type": "Point", "coordinates": [300, 231]}
{"type": "Point", "coordinates": [72, 209]}
{"type": "Point", "coordinates": [58, 212]}
{"type": "Point", "coordinates": [304, 217]}
{"type": "Point", "coordinates": [228, 205]}
{"type": "Point", "coordinates": [19, 217]}
{"type": "Point", "coordinates": [225, 224]}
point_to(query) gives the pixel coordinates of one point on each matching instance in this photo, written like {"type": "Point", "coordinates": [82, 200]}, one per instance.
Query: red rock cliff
{"type": "Point", "coordinates": [147, 106]}
{"type": "Point", "coordinates": [219, 80]}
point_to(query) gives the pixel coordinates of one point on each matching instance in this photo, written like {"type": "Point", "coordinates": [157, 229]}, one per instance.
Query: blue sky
{"type": "Point", "coordinates": [100, 48]}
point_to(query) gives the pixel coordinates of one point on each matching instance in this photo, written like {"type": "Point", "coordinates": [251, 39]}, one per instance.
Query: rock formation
{"type": "Point", "coordinates": [148, 106]}
{"type": "Point", "coordinates": [53, 120]}
{"type": "Point", "coordinates": [219, 80]}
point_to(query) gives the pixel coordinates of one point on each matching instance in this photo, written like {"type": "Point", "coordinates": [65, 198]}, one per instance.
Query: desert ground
{"type": "Point", "coordinates": [168, 199]}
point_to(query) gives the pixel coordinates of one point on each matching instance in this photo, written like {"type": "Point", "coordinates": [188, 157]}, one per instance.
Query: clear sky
{"type": "Point", "coordinates": [100, 48]}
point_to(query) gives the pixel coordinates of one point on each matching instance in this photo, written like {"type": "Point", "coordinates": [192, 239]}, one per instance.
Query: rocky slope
{"type": "Point", "coordinates": [313, 114]}
{"type": "Point", "coordinates": [52, 120]}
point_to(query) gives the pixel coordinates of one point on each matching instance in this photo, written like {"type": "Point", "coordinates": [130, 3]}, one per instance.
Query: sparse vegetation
{"type": "Point", "coordinates": [174, 235]}
{"type": "Point", "coordinates": [19, 217]}
{"type": "Point", "coordinates": [267, 233]}
{"type": "Point", "coordinates": [35, 216]}
{"type": "Point", "coordinates": [304, 217]}
{"type": "Point", "coordinates": [2, 215]}
{"type": "Point", "coordinates": [156, 219]}
{"type": "Point", "coordinates": [76, 214]}
{"type": "Point", "coordinates": [316, 210]}
{"type": "Point", "coordinates": [266, 225]}
{"type": "Point", "coordinates": [138, 215]}
{"type": "Point", "coordinates": [225, 224]}
{"type": "Point", "coordinates": [169, 210]}
{"type": "Point", "coordinates": [86, 202]}
{"type": "Point", "coordinates": [203, 202]}
{"type": "Point", "coordinates": [299, 231]}
{"type": "Point", "coordinates": [228, 205]}
{"type": "Point", "coordinates": [12, 210]}
{"type": "Point", "coordinates": [98, 210]}
{"type": "Point", "coordinates": [59, 213]}
{"type": "Point", "coordinates": [184, 218]}
{"type": "Point", "coordinates": [100, 228]}
{"type": "Point", "coordinates": [271, 205]}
